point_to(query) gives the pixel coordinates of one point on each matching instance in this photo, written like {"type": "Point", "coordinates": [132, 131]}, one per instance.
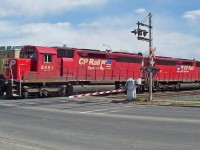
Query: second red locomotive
{"type": "Point", "coordinates": [174, 73]}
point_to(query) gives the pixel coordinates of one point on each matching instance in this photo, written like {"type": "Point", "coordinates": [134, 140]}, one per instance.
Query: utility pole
{"type": "Point", "coordinates": [151, 59]}
{"type": "Point", "coordinates": [141, 35]}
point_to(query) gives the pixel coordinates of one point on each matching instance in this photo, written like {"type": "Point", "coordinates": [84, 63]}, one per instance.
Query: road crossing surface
{"type": "Point", "coordinates": [96, 123]}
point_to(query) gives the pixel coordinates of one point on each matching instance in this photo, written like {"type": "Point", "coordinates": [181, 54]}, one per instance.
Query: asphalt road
{"type": "Point", "coordinates": [95, 123]}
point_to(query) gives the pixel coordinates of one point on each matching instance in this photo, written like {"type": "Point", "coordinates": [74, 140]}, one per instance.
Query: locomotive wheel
{"type": "Point", "coordinates": [43, 93]}
{"type": "Point", "coordinates": [36, 95]}
{"type": "Point", "coordinates": [61, 92]}
{"type": "Point", "coordinates": [69, 90]}
{"type": "Point", "coordinates": [25, 94]}
{"type": "Point", "coordinates": [177, 87]}
{"type": "Point", "coordinates": [9, 92]}
{"type": "Point", "coordinates": [155, 88]}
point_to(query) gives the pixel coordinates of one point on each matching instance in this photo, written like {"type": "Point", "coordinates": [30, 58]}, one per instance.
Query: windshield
{"type": "Point", "coordinates": [31, 55]}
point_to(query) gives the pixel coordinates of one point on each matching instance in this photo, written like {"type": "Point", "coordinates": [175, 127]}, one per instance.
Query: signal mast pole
{"type": "Point", "coordinates": [151, 59]}
{"type": "Point", "coordinates": [141, 35]}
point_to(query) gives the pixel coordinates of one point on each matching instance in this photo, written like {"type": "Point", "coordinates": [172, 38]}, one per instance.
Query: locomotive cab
{"type": "Point", "coordinates": [32, 54]}
{"type": "Point", "coordinates": [42, 65]}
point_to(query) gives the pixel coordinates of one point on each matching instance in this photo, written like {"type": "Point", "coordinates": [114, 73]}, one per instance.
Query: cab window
{"type": "Point", "coordinates": [29, 55]}
{"type": "Point", "coordinates": [47, 58]}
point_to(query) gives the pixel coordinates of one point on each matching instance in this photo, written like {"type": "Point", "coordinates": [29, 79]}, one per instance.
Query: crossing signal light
{"type": "Point", "coordinates": [134, 31]}
{"type": "Point", "coordinates": [145, 33]}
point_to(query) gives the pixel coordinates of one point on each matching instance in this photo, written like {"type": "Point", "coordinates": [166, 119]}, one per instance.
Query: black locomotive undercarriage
{"type": "Point", "coordinates": [17, 89]}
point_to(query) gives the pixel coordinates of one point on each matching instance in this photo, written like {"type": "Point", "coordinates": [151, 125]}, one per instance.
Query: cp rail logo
{"type": "Point", "coordinates": [183, 68]}
{"type": "Point", "coordinates": [93, 64]}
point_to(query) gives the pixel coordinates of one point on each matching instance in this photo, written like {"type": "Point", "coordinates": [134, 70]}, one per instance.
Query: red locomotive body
{"type": "Point", "coordinates": [174, 73]}
{"type": "Point", "coordinates": [46, 70]}
{"type": "Point", "coordinates": [43, 71]}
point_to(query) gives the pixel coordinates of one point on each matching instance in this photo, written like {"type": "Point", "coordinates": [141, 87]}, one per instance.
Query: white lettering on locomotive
{"type": "Point", "coordinates": [83, 61]}
{"type": "Point", "coordinates": [12, 62]}
{"type": "Point", "coordinates": [47, 67]}
{"type": "Point", "coordinates": [94, 62]}
{"type": "Point", "coordinates": [98, 64]}
{"type": "Point", "coordinates": [191, 67]}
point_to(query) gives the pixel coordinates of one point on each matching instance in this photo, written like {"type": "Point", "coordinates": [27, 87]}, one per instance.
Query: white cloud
{"type": "Point", "coordinates": [178, 45]}
{"type": "Point", "coordinates": [11, 8]}
{"type": "Point", "coordinates": [192, 15]}
{"type": "Point", "coordinates": [111, 31]}
{"type": "Point", "coordinates": [109, 22]}
{"type": "Point", "coordinates": [140, 11]}
{"type": "Point", "coordinates": [92, 24]}
{"type": "Point", "coordinates": [38, 28]}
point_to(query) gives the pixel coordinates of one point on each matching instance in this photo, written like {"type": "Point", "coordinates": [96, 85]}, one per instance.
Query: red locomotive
{"type": "Point", "coordinates": [43, 71]}
{"type": "Point", "coordinates": [174, 73]}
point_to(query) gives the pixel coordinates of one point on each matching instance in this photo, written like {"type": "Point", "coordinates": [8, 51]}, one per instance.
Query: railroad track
{"type": "Point", "coordinates": [178, 95]}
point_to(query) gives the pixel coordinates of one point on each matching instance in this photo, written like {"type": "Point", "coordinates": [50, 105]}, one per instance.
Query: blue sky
{"type": "Point", "coordinates": [92, 23]}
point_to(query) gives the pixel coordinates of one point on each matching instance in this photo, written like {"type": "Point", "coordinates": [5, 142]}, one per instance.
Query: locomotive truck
{"type": "Point", "coordinates": [43, 71]}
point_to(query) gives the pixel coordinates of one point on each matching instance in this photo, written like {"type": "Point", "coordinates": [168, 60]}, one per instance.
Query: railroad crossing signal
{"type": "Point", "coordinates": [152, 52]}
{"type": "Point", "coordinates": [141, 35]}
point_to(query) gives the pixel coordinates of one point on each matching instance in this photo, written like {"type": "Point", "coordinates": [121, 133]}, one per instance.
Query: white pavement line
{"type": "Point", "coordinates": [99, 110]}
{"type": "Point", "coordinates": [9, 105]}
{"type": "Point", "coordinates": [113, 111]}
{"type": "Point", "coordinates": [148, 118]}
{"type": "Point", "coordinates": [141, 107]}
{"type": "Point", "coordinates": [20, 145]}
{"type": "Point", "coordinates": [107, 109]}
{"type": "Point", "coordinates": [134, 106]}
{"type": "Point", "coordinates": [133, 117]}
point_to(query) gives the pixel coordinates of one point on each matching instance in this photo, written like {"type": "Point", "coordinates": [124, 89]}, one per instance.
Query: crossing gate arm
{"type": "Point", "coordinates": [96, 93]}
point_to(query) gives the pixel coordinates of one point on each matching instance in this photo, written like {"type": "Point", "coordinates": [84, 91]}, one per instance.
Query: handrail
{"type": "Point", "coordinates": [20, 82]}
{"type": "Point", "coordinates": [11, 74]}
